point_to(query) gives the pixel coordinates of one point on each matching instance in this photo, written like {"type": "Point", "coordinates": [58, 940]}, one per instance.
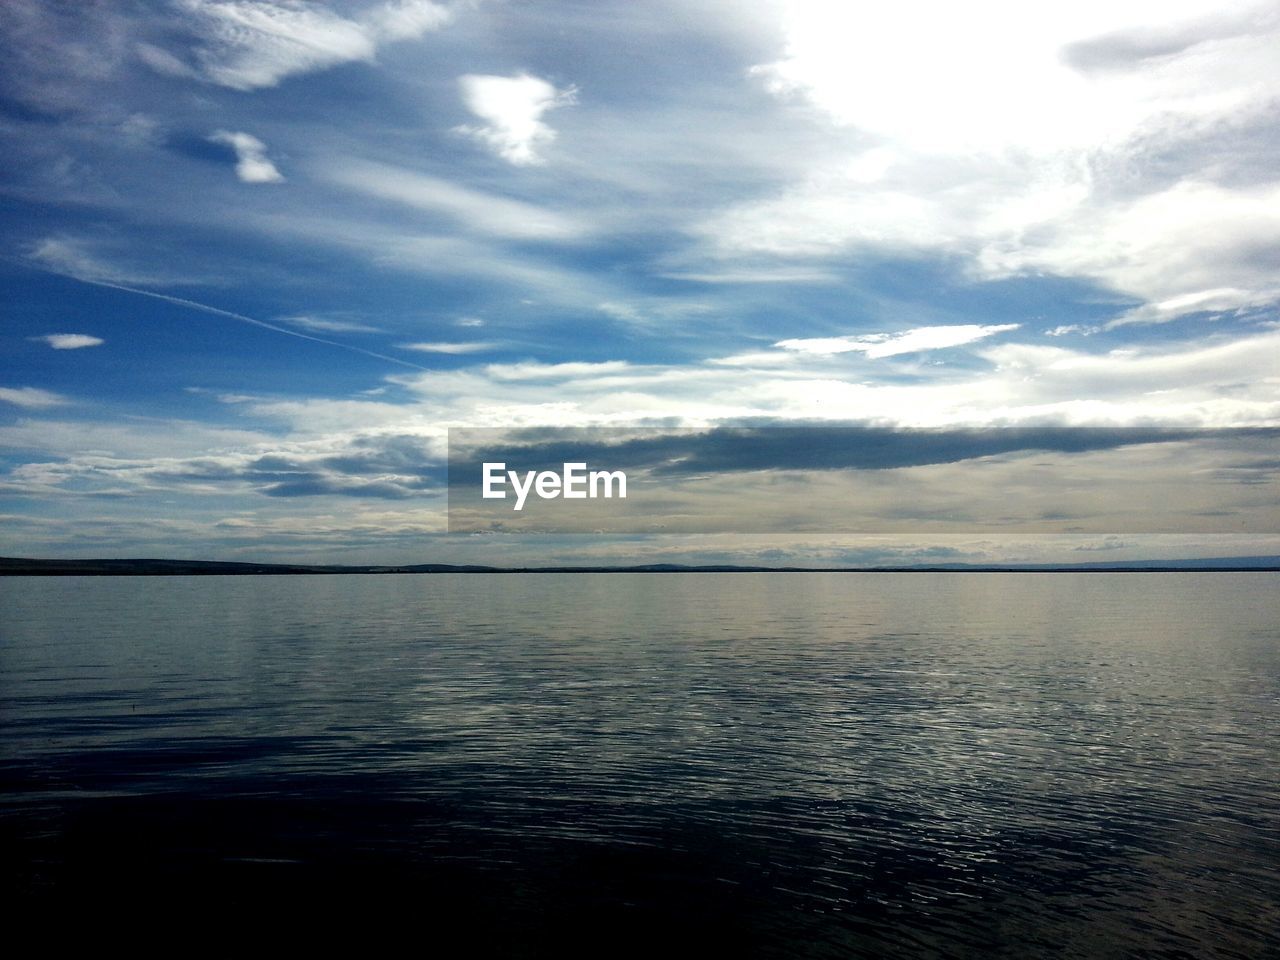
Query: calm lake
{"type": "Point", "coordinates": [773, 765]}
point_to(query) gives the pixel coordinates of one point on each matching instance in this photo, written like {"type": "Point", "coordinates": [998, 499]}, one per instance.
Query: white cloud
{"type": "Point", "coordinates": [70, 341]}
{"type": "Point", "coordinates": [1193, 247]}
{"type": "Point", "coordinates": [756, 359]}
{"type": "Point", "coordinates": [248, 44]}
{"type": "Point", "coordinates": [405, 19]}
{"type": "Point", "coordinates": [1219, 383]}
{"type": "Point", "coordinates": [1220, 301]}
{"type": "Point", "coordinates": [1001, 74]}
{"type": "Point", "coordinates": [512, 108]}
{"type": "Point", "coordinates": [891, 344]}
{"type": "Point", "coordinates": [480, 212]}
{"type": "Point", "coordinates": [1108, 140]}
{"type": "Point", "coordinates": [475, 346]}
{"type": "Point", "coordinates": [329, 325]}
{"type": "Point", "coordinates": [32, 398]}
{"type": "Point", "coordinates": [74, 258]}
{"type": "Point", "coordinates": [533, 370]}
{"type": "Point", "coordinates": [252, 165]}
{"type": "Point", "coordinates": [1225, 369]}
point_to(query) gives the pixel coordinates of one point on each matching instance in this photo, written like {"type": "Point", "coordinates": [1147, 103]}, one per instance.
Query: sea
{"type": "Point", "coordinates": [646, 764]}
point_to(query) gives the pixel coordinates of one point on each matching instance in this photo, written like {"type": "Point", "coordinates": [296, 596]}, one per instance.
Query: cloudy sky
{"type": "Point", "coordinates": [258, 257]}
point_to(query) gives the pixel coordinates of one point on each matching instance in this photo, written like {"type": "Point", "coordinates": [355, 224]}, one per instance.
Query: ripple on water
{"type": "Point", "coordinates": [778, 765]}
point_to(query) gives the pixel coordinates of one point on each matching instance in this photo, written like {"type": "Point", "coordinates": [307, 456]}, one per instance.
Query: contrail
{"type": "Point", "coordinates": [218, 311]}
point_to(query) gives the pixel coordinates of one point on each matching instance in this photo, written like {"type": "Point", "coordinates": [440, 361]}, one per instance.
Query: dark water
{"type": "Point", "coordinates": [824, 765]}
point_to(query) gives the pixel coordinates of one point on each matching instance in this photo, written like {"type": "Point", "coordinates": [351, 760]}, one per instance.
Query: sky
{"type": "Point", "coordinates": [258, 258]}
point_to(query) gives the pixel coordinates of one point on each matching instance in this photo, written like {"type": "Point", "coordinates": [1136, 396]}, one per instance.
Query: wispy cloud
{"type": "Point", "coordinates": [1219, 301]}
{"type": "Point", "coordinates": [329, 325]}
{"type": "Point", "coordinates": [473, 210]}
{"type": "Point", "coordinates": [242, 318]}
{"type": "Point", "coordinates": [1218, 383]}
{"type": "Point", "coordinates": [252, 165]}
{"type": "Point", "coordinates": [70, 341]}
{"type": "Point", "coordinates": [512, 108]}
{"type": "Point", "coordinates": [32, 398]}
{"type": "Point", "coordinates": [474, 346]}
{"type": "Point", "coordinates": [891, 344]}
{"type": "Point", "coordinates": [453, 256]}
{"type": "Point", "coordinates": [77, 258]}
{"type": "Point", "coordinates": [763, 275]}
{"type": "Point", "coordinates": [250, 44]}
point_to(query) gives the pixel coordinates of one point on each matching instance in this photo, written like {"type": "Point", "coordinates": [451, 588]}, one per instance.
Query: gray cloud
{"type": "Point", "coordinates": [821, 446]}
{"type": "Point", "coordinates": [316, 485]}
{"type": "Point", "coordinates": [868, 479]}
{"type": "Point", "coordinates": [1133, 48]}
{"type": "Point", "coordinates": [379, 467]}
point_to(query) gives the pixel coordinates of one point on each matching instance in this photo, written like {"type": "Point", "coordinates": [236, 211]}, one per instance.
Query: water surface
{"type": "Point", "coordinates": [782, 765]}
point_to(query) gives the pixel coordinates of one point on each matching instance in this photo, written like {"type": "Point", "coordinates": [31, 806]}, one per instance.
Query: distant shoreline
{"type": "Point", "coordinates": [19, 566]}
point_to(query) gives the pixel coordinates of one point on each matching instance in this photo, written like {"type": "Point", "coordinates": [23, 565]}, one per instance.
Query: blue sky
{"type": "Point", "coordinates": [259, 257]}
